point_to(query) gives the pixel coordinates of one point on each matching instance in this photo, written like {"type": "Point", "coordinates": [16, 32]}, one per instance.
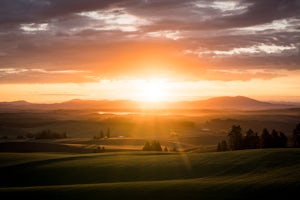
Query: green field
{"type": "Point", "coordinates": [243, 174]}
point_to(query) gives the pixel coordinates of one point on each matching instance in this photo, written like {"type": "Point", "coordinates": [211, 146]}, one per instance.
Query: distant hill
{"type": "Point", "coordinates": [75, 104]}
{"type": "Point", "coordinates": [237, 102]}
{"type": "Point", "coordinates": [226, 102]}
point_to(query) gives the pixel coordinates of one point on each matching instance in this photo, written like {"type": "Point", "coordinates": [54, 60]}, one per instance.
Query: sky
{"type": "Point", "coordinates": [149, 50]}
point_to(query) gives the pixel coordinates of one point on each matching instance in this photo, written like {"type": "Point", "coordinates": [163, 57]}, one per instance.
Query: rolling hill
{"type": "Point", "coordinates": [247, 174]}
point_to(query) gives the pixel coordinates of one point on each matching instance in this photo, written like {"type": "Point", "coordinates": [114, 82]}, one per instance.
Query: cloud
{"type": "Point", "coordinates": [25, 75]}
{"type": "Point", "coordinates": [24, 11]}
{"type": "Point", "coordinates": [78, 41]}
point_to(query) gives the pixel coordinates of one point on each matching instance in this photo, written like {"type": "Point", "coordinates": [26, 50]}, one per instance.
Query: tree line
{"type": "Point", "coordinates": [47, 134]}
{"type": "Point", "coordinates": [43, 134]}
{"type": "Point", "coordinates": [102, 135]}
{"type": "Point", "coordinates": [237, 140]}
{"type": "Point", "coordinates": [155, 146]}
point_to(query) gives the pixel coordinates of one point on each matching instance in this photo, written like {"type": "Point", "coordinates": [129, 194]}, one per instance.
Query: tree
{"type": "Point", "coordinates": [235, 138]}
{"type": "Point", "coordinates": [4, 137]}
{"type": "Point", "coordinates": [222, 146]}
{"type": "Point", "coordinates": [147, 147]}
{"type": "Point", "coordinates": [166, 149]}
{"type": "Point", "coordinates": [156, 146]}
{"type": "Point", "coordinates": [251, 140]}
{"type": "Point", "coordinates": [174, 148]}
{"type": "Point", "coordinates": [97, 150]}
{"type": "Point", "coordinates": [153, 146]}
{"type": "Point", "coordinates": [108, 133]}
{"type": "Point", "coordinates": [275, 140]}
{"type": "Point", "coordinates": [283, 140]}
{"type": "Point", "coordinates": [266, 139]}
{"type": "Point", "coordinates": [48, 134]}
{"type": "Point", "coordinates": [296, 136]}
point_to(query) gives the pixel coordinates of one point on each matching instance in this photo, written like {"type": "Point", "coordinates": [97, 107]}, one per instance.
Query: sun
{"type": "Point", "coordinates": [153, 91]}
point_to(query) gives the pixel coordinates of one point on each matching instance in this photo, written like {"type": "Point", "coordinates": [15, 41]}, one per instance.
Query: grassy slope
{"type": "Point", "coordinates": [226, 175]}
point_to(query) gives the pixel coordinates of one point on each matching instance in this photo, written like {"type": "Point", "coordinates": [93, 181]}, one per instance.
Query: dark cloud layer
{"type": "Point", "coordinates": [86, 40]}
{"type": "Point", "coordinates": [28, 11]}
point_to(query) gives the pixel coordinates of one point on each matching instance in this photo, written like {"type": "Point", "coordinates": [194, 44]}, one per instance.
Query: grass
{"type": "Point", "coordinates": [243, 174]}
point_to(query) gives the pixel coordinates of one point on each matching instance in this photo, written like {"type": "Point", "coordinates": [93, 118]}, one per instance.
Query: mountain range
{"type": "Point", "coordinates": [226, 102]}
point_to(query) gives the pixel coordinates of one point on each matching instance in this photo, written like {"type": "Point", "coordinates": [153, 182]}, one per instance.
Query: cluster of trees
{"type": "Point", "coordinates": [99, 149]}
{"type": "Point", "coordinates": [155, 146]}
{"type": "Point", "coordinates": [44, 134]}
{"type": "Point", "coordinates": [4, 137]}
{"type": "Point", "coordinates": [296, 136]}
{"type": "Point", "coordinates": [251, 140]}
{"type": "Point", "coordinates": [152, 146]}
{"type": "Point", "coordinates": [102, 135]}
{"type": "Point", "coordinates": [48, 134]}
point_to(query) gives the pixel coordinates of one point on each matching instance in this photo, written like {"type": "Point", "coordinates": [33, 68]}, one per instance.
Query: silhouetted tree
{"type": "Point", "coordinates": [166, 149]}
{"type": "Point", "coordinates": [296, 136]}
{"type": "Point", "coordinates": [266, 139]}
{"type": "Point", "coordinates": [4, 137]}
{"type": "Point", "coordinates": [153, 146]}
{"type": "Point", "coordinates": [283, 140]}
{"type": "Point", "coordinates": [222, 146]}
{"type": "Point", "coordinates": [235, 138]}
{"type": "Point", "coordinates": [251, 140]}
{"type": "Point", "coordinates": [156, 146]}
{"type": "Point", "coordinates": [147, 147]}
{"type": "Point", "coordinates": [48, 134]}
{"type": "Point", "coordinates": [174, 149]}
{"type": "Point", "coordinates": [275, 140]}
{"type": "Point", "coordinates": [97, 150]}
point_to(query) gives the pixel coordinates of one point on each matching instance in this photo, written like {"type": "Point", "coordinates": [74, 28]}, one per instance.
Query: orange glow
{"type": "Point", "coordinates": [153, 91]}
{"type": "Point", "coordinates": [151, 52]}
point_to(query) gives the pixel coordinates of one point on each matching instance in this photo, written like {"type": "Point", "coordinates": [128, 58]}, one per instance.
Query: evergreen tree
{"type": "Point", "coordinates": [296, 136]}
{"type": "Point", "coordinates": [283, 140]}
{"type": "Point", "coordinates": [174, 148]}
{"type": "Point", "coordinates": [147, 147]}
{"type": "Point", "coordinates": [266, 139]}
{"type": "Point", "coordinates": [275, 141]}
{"type": "Point", "coordinates": [251, 140]}
{"type": "Point", "coordinates": [156, 146]}
{"type": "Point", "coordinates": [235, 138]}
{"type": "Point", "coordinates": [222, 146]}
{"type": "Point", "coordinates": [153, 146]}
{"type": "Point", "coordinates": [166, 149]}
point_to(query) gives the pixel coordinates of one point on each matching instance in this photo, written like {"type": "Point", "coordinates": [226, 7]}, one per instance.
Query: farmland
{"type": "Point", "coordinates": [213, 175]}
